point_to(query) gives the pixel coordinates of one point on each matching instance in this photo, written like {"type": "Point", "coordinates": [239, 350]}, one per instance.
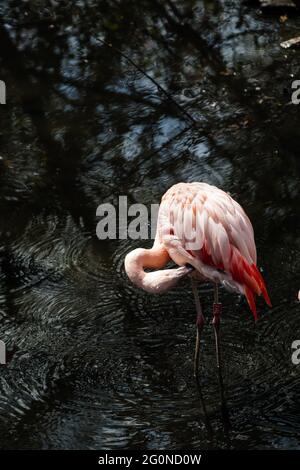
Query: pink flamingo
{"type": "Point", "coordinates": [209, 236]}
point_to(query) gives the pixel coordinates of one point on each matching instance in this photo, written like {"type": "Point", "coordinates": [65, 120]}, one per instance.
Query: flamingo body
{"type": "Point", "coordinates": [201, 226]}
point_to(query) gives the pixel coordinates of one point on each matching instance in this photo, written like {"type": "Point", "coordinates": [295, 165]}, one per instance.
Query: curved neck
{"type": "Point", "coordinates": [157, 281]}
{"type": "Point", "coordinates": [140, 259]}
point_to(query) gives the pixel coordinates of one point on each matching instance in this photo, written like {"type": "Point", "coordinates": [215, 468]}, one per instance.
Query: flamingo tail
{"type": "Point", "coordinates": [252, 280]}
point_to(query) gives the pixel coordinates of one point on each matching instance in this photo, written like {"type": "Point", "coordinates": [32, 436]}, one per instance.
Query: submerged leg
{"type": "Point", "coordinates": [217, 310]}
{"type": "Point", "coordinates": [199, 327]}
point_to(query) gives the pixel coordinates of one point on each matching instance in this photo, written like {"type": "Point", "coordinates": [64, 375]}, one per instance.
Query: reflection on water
{"type": "Point", "coordinates": [94, 363]}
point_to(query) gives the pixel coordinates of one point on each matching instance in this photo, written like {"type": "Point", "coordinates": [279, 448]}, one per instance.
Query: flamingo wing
{"type": "Point", "coordinates": [201, 222]}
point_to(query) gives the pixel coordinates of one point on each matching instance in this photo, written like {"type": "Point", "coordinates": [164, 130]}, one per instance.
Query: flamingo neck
{"type": "Point", "coordinates": [140, 259]}
{"type": "Point", "coordinates": [154, 282]}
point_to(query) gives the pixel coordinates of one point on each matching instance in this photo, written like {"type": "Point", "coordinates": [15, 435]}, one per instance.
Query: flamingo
{"type": "Point", "coordinates": [209, 236]}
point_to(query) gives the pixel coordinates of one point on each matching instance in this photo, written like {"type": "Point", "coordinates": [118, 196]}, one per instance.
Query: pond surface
{"type": "Point", "coordinates": [94, 363]}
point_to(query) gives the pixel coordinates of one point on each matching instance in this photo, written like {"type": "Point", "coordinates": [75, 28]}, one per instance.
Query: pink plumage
{"type": "Point", "coordinates": [202, 226]}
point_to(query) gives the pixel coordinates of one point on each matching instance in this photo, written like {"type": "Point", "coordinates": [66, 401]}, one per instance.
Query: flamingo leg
{"type": "Point", "coordinates": [199, 327]}
{"type": "Point", "coordinates": [200, 320]}
{"type": "Point", "coordinates": [217, 310]}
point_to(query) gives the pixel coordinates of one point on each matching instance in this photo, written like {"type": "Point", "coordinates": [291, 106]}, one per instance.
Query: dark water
{"type": "Point", "coordinates": [94, 363]}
